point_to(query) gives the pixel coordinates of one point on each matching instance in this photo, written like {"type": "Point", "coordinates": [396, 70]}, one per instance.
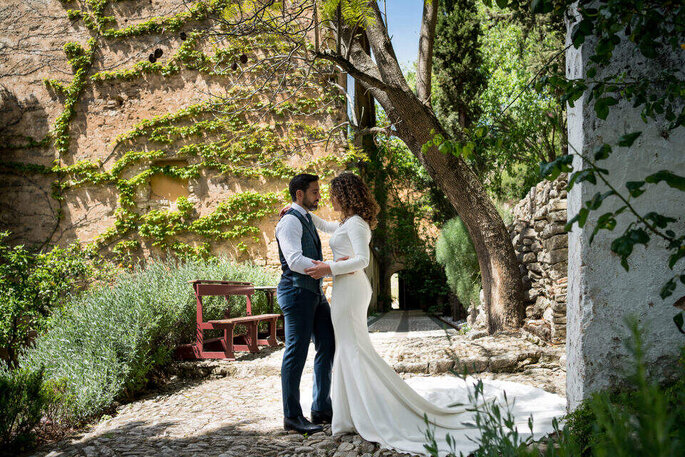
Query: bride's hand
{"type": "Point", "coordinates": [284, 210]}
{"type": "Point", "coordinates": [319, 270]}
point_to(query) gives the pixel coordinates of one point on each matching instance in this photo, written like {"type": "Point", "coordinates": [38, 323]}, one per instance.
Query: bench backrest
{"type": "Point", "coordinates": [207, 288]}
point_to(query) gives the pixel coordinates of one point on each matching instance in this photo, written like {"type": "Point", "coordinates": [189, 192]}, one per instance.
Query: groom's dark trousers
{"type": "Point", "coordinates": [307, 317]}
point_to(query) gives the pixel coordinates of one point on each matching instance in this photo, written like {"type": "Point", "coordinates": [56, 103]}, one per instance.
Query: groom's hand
{"type": "Point", "coordinates": [319, 270]}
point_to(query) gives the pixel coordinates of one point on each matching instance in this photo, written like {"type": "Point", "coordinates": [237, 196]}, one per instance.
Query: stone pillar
{"type": "Point", "coordinates": [600, 292]}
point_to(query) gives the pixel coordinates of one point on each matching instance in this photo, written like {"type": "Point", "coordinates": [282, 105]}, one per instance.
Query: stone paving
{"type": "Point", "coordinates": [217, 408]}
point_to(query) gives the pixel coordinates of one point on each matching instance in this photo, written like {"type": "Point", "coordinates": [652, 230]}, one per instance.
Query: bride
{"type": "Point", "coordinates": [368, 397]}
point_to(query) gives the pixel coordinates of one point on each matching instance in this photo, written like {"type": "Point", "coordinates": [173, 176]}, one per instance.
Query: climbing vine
{"type": "Point", "coordinates": [241, 134]}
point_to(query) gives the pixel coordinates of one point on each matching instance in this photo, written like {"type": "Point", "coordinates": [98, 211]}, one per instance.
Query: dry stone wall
{"type": "Point", "coordinates": [541, 245]}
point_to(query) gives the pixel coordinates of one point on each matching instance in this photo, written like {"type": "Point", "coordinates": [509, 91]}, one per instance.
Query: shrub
{"type": "Point", "coordinates": [454, 250]}
{"type": "Point", "coordinates": [22, 403]}
{"type": "Point", "coordinates": [32, 284]}
{"type": "Point", "coordinates": [105, 345]}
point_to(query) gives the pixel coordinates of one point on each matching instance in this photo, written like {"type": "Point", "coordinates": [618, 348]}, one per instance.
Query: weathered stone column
{"type": "Point", "coordinates": [600, 292]}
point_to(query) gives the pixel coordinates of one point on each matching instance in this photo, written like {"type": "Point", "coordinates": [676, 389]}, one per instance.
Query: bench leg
{"type": "Point", "coordinates": [272, 332]}
{"type": "Point", "coordinates": [227, 343]}
{"type": "Point", "coordinates": [252, 335]}
{"type": "Point", "coordinates": [198, 341]}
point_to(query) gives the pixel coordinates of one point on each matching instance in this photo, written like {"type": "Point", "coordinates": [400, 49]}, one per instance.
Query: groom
{"type": "Point", "coordinates": [306, 311]}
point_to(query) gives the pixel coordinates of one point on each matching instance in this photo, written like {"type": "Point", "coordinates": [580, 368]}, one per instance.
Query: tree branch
{"type": "Point", "coordinates": [424, 63]}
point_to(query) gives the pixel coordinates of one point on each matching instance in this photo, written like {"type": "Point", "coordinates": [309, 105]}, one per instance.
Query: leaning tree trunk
{"type": "Point", "coordinates": [501, 278]}
{"type": "Point", "coordinates": [415, 123]}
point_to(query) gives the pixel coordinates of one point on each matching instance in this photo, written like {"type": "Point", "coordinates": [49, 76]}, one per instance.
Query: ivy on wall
{"type": "Point", "coordinates": [219, 136]}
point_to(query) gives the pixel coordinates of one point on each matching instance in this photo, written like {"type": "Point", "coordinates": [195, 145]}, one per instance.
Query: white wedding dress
{"type": "Point", "coordinates": [369, 398]}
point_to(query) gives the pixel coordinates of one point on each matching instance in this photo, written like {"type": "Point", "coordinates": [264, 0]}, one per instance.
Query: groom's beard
{"type": "Point", "coordinates": [310, 206]}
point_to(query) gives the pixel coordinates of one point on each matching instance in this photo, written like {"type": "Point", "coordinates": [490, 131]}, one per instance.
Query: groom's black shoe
{"type": "Point", "coordinates": [301, 425]}
{"type": "Point", "coordinates": [321, 418]}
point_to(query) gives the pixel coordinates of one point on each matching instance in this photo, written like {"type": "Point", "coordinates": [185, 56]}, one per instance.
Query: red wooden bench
{"type": "Point", "coordinates": [226, 345]}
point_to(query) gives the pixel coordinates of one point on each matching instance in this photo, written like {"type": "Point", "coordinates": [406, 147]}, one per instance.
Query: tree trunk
{"type": "Point", "coordinates": [415, 124]}
{"type": "Point", "coordinates": [424, 64]}
{"type": "Point", "coordinates": [499, 267]}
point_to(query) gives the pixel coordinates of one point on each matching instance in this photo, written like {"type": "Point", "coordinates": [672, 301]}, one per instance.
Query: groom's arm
{"type": "Point", "coordinates": [289, 235]}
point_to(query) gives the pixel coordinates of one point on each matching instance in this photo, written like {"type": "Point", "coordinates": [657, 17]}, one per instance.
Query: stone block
{"type": "Point", "coordinates": [471, 365]}
{"type": "Point", "coordinates": [553, 257]}
{"type": "Point", "coordinates": [529, 257]}
{"type": "Point", "coordinates": [503, 363]}
{"type": "Point", "coordinates": [528, 232]}
{"type": "Point", "coordinates": [539, 328]}
{"type": "Point", "coordinates": [555, 242]}
{"type": "Point", "coordinates": [534, 267]}
{"type": "Point", "coordinates": [411, 367]}
{"type": "Point", "coordinates": [557, 216]}
{"type": "Point", "coordinates": [540, 225]}
{"type": "Point", "coordinates": [559, 307]}
{"type": "Point", "coordinates": [540, 214]}
{"type": "Point", "coordinates": [557, 205]}
{"type": "Point", "coordinates": [551, 230]}
{"type": "Point", "coordinates": [440, 366]}
{"type": "Point", "coordinates": [558, 271]}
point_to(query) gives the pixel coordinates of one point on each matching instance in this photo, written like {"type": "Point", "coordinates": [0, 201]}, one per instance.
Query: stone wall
{"type": "Point", "coordinates": [541, 245]}
{"type": "Point", "coordinates": [155, 76]}
{"type": "Point", "coordinates": [601, 293]}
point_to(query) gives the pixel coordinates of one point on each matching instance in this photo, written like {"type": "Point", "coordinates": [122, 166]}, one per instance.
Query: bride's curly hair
{"type": "Point", "coordinates": [353, 194]}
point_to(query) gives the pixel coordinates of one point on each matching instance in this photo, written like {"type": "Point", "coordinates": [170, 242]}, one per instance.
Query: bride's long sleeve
{"type": "Point", "coordinates": [360, 236]}
{"type": "Point", "coordinates": [324, 225]}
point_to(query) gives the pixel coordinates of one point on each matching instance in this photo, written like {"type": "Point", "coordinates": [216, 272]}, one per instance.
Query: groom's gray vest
{"type": "Point", "coordinates": [311, 247]}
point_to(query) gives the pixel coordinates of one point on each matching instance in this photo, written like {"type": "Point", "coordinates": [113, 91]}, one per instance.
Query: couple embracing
{"type": "Point", "coordinates": [354, 389]}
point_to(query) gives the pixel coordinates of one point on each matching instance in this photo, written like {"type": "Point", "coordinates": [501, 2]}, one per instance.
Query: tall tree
{"type": "Point", "coordinates": [411, 117]}
{"type": "Point", "coordinates": [458, 63]}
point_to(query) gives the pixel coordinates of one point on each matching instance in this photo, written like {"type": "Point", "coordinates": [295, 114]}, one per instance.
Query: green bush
{"type": "Point", "coordinates": [108, 341]}
{"type": "Point", "coordinates": [22, 402]}
{"type": "Point", "coordinates": [454, 251]}
{"type": "Point", "coordinates": [32, 284]}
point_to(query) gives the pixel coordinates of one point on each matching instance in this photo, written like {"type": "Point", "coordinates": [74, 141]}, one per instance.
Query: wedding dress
{"type": "Point", "coordinates": [371, 399]}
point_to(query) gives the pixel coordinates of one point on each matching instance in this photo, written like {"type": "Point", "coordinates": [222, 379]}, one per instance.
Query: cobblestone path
{"type": "Point", "coordinates": [216, 408]}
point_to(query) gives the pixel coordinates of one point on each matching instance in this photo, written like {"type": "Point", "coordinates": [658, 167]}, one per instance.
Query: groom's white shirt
{"type": "Point", "coordinates": [289, 235]}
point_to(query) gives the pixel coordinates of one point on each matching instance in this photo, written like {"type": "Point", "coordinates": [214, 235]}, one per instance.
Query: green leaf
{"type": "Point", "coordinates": [673, 259]}
{"type": "Point", "coordinates": [552, 170]}
{"type": "Point", "coordinates": [596, 201]}
{"type": "Point", "coordinates": [679, 321]}
{"type": "Point", "coordinates": [628, 139]}
{"type": "Point", "coordinates": [582, 29]}
{"type": "Point", "coordinates": [639, 236]}
{"type": "Point", "coordinates": [585, 175]}
{"type": "Point", "coordinates": [602, 151]}
{"type": "Point", "coordinates": [541, 6]}
{"type": "Point", "coordinates": [672, 180]}
{"type": "Point", "coordinates": [580, 218]}
{"type": "Point", "coordinates": [602, 106]}
{"type": "Point", "coordinates": [445, 147]}
{"type": "Point", "coordinates": [502, 3]}
{"type": "Point", "coordinates": [467, 150]}
{"type": "Point", "coordinates": [668, 289]}
{"type": "Point", "coordinates": [635, 188]}
{"type": "Point", "coordinates": [659, 220]}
